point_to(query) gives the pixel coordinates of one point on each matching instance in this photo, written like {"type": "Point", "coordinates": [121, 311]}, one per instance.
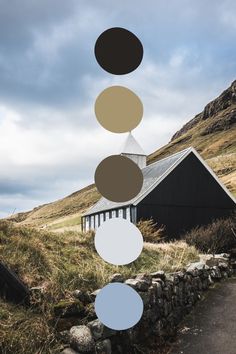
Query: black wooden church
{"type": "Point", "coordinates": [179, 192]}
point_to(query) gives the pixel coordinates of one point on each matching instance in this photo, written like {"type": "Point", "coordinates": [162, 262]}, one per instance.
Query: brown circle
{"type": "Point", "coordinates": [118, 109]}
{"type": "Point", "coordinates": [118, 178]}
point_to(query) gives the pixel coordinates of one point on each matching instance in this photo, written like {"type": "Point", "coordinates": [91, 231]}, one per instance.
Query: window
{"type": "Point", "coordinates": [86, 223]}
{"type": "Point", "coordinates": [92, 222]}
{"type": "Point", "coordinates": [113, 214]}
{"type": "Point", "coordinates": [102, 215]}
{"type": "Point", "coordinates": [128, 213]}
{"type": "Point", "coordinates": [107, 215]}
{"type": "Point", "coordinates": [96, 221]}
{"type": "Point", "coordinates": [120, 215]}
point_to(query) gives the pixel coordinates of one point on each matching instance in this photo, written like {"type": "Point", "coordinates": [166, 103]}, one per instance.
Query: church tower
{"type": "Point", "coordinates": [133, 151]}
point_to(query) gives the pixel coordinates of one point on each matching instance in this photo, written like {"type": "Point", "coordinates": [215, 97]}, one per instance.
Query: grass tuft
{"type": "Point", "coordinates": [61, 263]}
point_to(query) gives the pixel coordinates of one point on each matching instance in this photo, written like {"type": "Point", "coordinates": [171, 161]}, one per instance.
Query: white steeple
{"type": "Point", "coordinates": [133, 150]}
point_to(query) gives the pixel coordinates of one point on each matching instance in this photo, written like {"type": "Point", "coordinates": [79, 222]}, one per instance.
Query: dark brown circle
{"type": "Point", "coordinates": [118, 178]}
{"type": "Point", "coordinates": [118, 51]}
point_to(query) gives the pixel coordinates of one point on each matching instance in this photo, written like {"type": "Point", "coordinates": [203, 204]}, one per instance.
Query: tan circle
{"type": "Point", "coordinates": [118, 178]}
{"type": "Point", "coordinates": [118, 109]}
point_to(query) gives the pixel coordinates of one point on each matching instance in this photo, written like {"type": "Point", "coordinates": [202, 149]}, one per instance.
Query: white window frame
{"type": "Point", "coordinates": [96, 222]}
{"type": "Point", "coordinates": [92, 222]}
{"type": "Point", "coordinates": [86, 223]}
{"type": "Point", "coordinates": [128, 213]}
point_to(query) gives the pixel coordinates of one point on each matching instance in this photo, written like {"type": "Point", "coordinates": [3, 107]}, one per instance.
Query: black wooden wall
{"type": "Point", "coordinates": [188, 197]}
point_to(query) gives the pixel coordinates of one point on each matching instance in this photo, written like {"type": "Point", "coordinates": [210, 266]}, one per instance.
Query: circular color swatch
{"type": "Point", "coordinates": [118, 178]}
{"type": "Point", "coordinates": [118, 51]}
{"type": "Point", "coordinates": [118, 306]}
{"type": "Point", "coordinates": [118, 109]}
{"type": "Point", "coordinates": [118, 241]}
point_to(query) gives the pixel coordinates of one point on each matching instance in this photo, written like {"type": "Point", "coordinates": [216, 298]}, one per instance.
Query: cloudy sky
{"type": "Point", "coordinates": [50, 141]}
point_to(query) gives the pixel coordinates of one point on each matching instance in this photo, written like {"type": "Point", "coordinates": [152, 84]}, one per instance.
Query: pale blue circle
{"type": "Point", "coordinates": [118, 306]}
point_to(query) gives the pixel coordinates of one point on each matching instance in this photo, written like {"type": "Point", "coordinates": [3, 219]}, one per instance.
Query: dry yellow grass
{"type": "Point", "coordinates": [230, 182]}
{"type": "Point", "coordinates": [223, 164]}
{"type": "Point", "coordinates": [62, 263]}
{"type": "Point", "coordinates": [67, 261]}
{"type": "Point", "coordinates": [225, 167]}
{"type": "Point", "coordinates": [61, 211]}
{"type": "Point", "coordinates": [175, 255]}
{"type": "Point", "coordinates": [212, 145]}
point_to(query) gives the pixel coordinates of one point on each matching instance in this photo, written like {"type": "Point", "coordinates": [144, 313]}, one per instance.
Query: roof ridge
{"type": "Point", "coordinates": [164, 174]}
{"type": "Point", "coordinates": [134, 200]}
{"type": "Point", "coordinates": [161, 172]}
{"type": "Point", "coordinates": [167, 157]}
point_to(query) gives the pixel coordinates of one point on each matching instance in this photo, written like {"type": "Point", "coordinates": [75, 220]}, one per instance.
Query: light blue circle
{"type": "Point", "coordinates": [118, 306]}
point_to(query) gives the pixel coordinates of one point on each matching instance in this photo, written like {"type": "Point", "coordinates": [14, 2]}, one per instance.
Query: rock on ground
{"type": "Point", "coordinates": [81, 339]}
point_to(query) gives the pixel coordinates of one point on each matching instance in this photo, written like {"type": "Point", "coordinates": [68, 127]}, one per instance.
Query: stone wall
{"type": "Point", "coordinates": [167, 299]}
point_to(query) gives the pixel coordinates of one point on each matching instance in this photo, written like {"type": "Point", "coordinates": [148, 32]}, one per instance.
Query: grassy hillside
{"type": "Point", "coordinates": [59, 264]}
{"type": "Point", "coordinates": [212, 132]}
{"type": "Point", "coordinates": [209, 146]}
{"type": "Point", "coordinates": [62, 215]}
{"type": "Point", "coordinates": [65, 214]}
{"type": "Point", "coordinates": [225, 167]}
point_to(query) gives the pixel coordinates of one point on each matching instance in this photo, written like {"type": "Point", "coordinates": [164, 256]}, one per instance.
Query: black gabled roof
{"type": "Point", "coordinates": [152, 175]}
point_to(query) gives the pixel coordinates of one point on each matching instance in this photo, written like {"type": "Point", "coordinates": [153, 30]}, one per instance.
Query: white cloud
{"type": "Point", "coordinates": [57, 139]}
{"type": "Point", "coordinates": [50, 141]}
{"type": "Point", "coordinates": [48, 145]}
